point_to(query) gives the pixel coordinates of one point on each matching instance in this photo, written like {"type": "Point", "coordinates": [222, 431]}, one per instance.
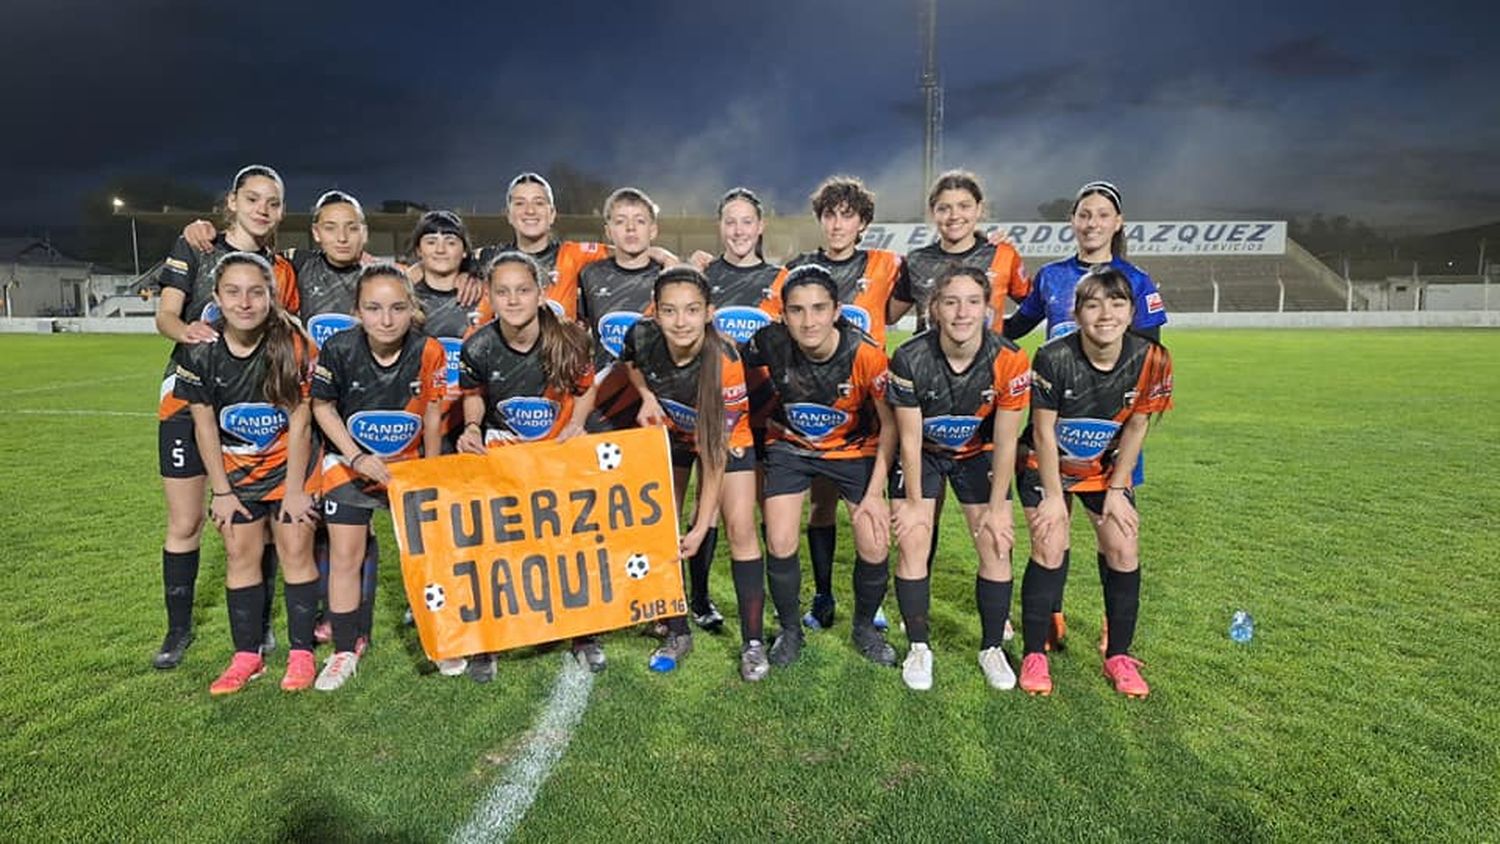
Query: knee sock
{"type": "Point", "coordinates": [822, 541]}
{"type": "Point", "coordinates": [869, 589]}
{"type": "Point", "coordinates": [345, 629]}
{"type": "Point", "coordinates": [245, 614]}
{"type": "Point", "coordinates": [784, 576]}
{"type": "Point", "coordinates": [1062, 581]}
{"type": "Point", "coordinates": [914, 597]}
{"type": "Point", "coordinates": [268, 582]}
{"type": "Point", "coordinates": [932, 552]}
{"type": "Point", "coordinates": [179, 580]}
{"type": "Point", "coordinates": [369, 580]}
{"type": "Point", "coordinates": [301, 614]}
{"type": "Point", "coordinates": [750, 596]}
{"type": "Point", "coordinates": [677, 626]}
{"type": "Point", "coordinates": [1039, 590]}
{"type": "Point", "coordinates": [320, 559]}
{"type": "Point", "coordinates": [1124, 592]}
{"type": "Point", "coordinates": [993, 600]}
{"type": "Point", "coordinates": [698, 566]}
{"type": "Point", "coordinates": [1104, 575]}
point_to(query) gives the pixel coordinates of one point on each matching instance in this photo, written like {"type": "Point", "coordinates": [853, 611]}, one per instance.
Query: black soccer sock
{"type": "Point", "coordinates": [321, 560]}
{"type": "Point", "coordinates": [822, 542]}
{"type": "Point", "coordinates": [245, 614]}
{"type": "Point", "coordinates": [784, 576]}
{"type": "Point", "coordinates": [932, 552]}
{"type": "Point", "coordinates": [1062, 580]}
{"type": "Point", "coordinates": [914, 597]}
{"type": "Point", "coordinates": [369, 580]}
{"type": "Point", "coordinates": [345, 630]}
{"type": "Point", "coordinates": [677, 626]}
{"type": "Point", "coordinates": [698, 566]}
{"type": "Point", "coordinates": [268, 560]}
{"type": "Point", "coordinates": [1104, 575]}
{"type": "Point", "coordinates": [869, 589]}
{"type": "Point", "coordinates": [301, 614]}
{"type": "Point", "coordinates": [750, 595]}
{"type": "Point", "coordinates": [993, 600]}
{"type": "Point", "coordinates": [179, 580]}
{"type": "Point", "coordinates": [1039, 591]}
{"type": "Point", "coordinates": [1125, 602]}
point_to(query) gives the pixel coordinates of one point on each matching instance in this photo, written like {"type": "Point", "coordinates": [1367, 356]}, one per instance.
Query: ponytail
{"type": "Point", "coordinates": [710, 436]}
{"type": "Point", "coordinates": [286, 359]}
{"type": "Point", "coordinates": [567, 350]}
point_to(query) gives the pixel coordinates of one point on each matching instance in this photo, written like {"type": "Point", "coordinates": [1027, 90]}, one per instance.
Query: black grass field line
{"type": "Point", "coordinates": [1339, 485]}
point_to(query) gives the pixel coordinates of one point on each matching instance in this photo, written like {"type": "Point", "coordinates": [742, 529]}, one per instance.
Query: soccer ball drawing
{"type": "Point", "coordinates": [435, 597]}
{"type": "Point", "coordinates": [609, 456]}
{"type": "Point", "coordinates": [637, 566]}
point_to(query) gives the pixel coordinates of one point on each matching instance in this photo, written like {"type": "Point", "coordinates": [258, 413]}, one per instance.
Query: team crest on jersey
{"type": "Point", "coordinates": [862, 285]}
{"type": "Point", "coordinates": [988, 396]}
{"type": "Point", "coordinates": [845, 389]}
{"type": "Point", "coordinates": [1085, 439]}
{"type": "Point", "coordinates": [211, 312]}
{"type": "Point", "coordinates": [857, 315]}
{"type": "Point", "coordinates": [1062, 329]}
{"type": "Point", "coordinates": [323, 326]}
{"type": "Point", "coordinates": [451, 347]}
{"type": "Point", "coordinates": [256, 423]}
{"type": "Point", "coordinates": [385, 433]}
{"type": "Point", "coordinates": [1154, 304]}
{"type": "Point", "coordinates": [950, 431]}
{"type": "Point", "coordinates": [767, 293]}
{"type": "Point", "coordinates": [612, 329]}
{"type": "Point", "coordinates": [814, 421]}
{"type": "Point", "coordinates": [739, 323]}
{"type": "Point", "coordinates": [684, 417]}
{"type": "Point", "coordinates": [557, 308]}
{"type": "Point", "coordinates": [1018, 385]}
{"type": "Point", "coordinates": [529, 417]}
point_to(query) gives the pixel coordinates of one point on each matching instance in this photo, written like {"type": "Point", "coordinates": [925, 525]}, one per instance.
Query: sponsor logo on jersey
{"type": "Point", "coordinates": [684, 417]}
{"type": "Point", "coordinates": [323, 326]}
{"type": "Point", "coordinates": [1018, 385]}
{"type": "Point", "coordinates": [735, 393]}
{"type": "Point", "coordinates": [1062, 329]}
{"type": "Point", "coordinates": [451, 347]}
{"type": "Point", "coordinates": [1085, 439]}
{"type": "Point", "coordinates": [1154, 304]}
{"type": "Point", "coordinates": [739, 322]}
{"type": "Point", "coordinates": [530, 417]}
{"type": "Point", "coordinates": [385, 433]}
{"type": "Point", "coordinates": [256, 423]}
{"type": "Point", "coordinates": [950, 431]}
{"type": "Point", "coordinates": [177, 265]}
{"type": "Point", "coordinates": [612, 328]}
{"type": "Point", "coordinates": [211, 312]}
{"type": "Point", "coordinates": [857, 315]}
{"type": "Point", "coordinates": [814, 421]}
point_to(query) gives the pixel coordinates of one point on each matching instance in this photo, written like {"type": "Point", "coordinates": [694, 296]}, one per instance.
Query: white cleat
{"type": "Point", "coordinates": [997, 669]}
{"type": "Point", "coordinates": [916, 671]}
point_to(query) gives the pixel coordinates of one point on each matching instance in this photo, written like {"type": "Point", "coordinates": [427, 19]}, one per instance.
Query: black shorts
{"type": "Point", "coordinates": [683, 457]}
{"type": "Point", "coordinates": [971, 477]}
{"type": "Point", "coordinates": [258, 510]}
{"type": "Point", "coordinates": [788, 471]}
{"type": "Point", "coordinates": [177, 448]}
{"type": "Point", "coordinates": [1029, 487]}
{"type": "Point", "coordinates": [340, 513]}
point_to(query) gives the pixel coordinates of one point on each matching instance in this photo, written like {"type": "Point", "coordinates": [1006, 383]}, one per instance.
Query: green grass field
{"type": "Point", "coordinates": [1339, 485]}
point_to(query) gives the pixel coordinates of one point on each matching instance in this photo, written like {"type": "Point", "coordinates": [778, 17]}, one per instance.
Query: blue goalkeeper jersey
{"type": "Point", "coordinates": [1051, 296]}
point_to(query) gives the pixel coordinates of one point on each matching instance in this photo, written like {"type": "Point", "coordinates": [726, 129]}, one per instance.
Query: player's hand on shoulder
{"type": "Point", "coordinates": [200, 235]}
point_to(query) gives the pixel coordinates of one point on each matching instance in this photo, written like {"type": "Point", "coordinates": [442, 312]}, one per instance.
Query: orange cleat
{"type": "Point", "coordinates": [1036, 677]}
{"type": "Point", "coordinates": [301, 671]}
{"type": "Point", "coordinates": [1124, 671]}
{"type": "Point", "coordinates": [1104, 636]}
{"type": "Point", "coordinates": [244, 667]}
{"type": "Point", "coordinates": [1057, 634]}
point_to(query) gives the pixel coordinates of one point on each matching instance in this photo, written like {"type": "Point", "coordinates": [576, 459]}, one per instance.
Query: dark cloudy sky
{"type": "Point", "coordinates": [1385, 111]}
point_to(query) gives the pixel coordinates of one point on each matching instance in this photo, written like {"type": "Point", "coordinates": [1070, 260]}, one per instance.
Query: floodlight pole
{"type": "Point", "coordinates": [932, 92]}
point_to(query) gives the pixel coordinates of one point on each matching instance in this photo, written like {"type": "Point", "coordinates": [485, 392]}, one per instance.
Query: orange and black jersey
{"type": "Point", "coordinates": [449, 323]}
{"type": "Point", "coordinates": [192, 272]}
{"type": "Point", "coordinates": [865, 280]}
{"type": "Point", "coordinates": [822, 408]}
{"type": "Point", "coordinates": [738, 295]}
{"type": "Point", "coordinates": [610, 300]}
{"type": "Point", "coordinates": [676, 386]}
{"type": "Point", "coordinates": [562, 261]}
{"type": "Point", "coordinates": [517, 398]}
{"type": "Point", "coordinates": [324, 293]}
{"type": "Point", "coordinates": [381, 406]}
{"type": "Point", "coordinates": [1001, 263]}
{"type": "Point", "coordinates": [252, 431]}
{"type": "Point", "coordinates": [1092, 406]}
{"type": "Point", "coordinates": [958, 408]}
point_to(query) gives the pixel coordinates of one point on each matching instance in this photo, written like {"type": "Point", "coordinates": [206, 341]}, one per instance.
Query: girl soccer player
{"type": "Point", "coordinates": [958, 391]}
{"type": "Point", "coordinates": [186, 315]}
{"type": "Point", "coordinates": [365, 403]}
{"type": "Point", "coordinates": [531, 211]}
{"type": "Point", "coordinates": [1099, 230]}
{"type": "Point", "coordinates": [248, 391]}
{"type": "Point", "coordinates": [831, 421]}
{"type": "Point", "coordinates": [527, 375]}
{"type": "Point", "coordinates": [1093, 394]}
{"type": "Point", "coordinates": [441, 243]}
{"type": "Point", "coordinates": [692, 380]}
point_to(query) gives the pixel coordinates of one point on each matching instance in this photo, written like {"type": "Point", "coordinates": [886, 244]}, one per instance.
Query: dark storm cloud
{"type": "Point", "coordinates": [1311, 56]}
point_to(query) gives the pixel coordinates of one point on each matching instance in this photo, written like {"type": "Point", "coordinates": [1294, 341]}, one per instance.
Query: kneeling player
{"type": "Point", "coordinates": [958, 391]}
{"type": "Point", "coordinates": [1093, 394]}
{"type": "Point", "coordinates": [377, 394]}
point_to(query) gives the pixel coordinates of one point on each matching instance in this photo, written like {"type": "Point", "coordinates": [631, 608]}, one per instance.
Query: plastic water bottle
{"type": "Point", "coordinates": [1242, 627]}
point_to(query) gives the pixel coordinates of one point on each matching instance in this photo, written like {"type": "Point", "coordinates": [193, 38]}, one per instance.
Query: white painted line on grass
{"type": "Point", "coordinates": [496, 818]}
{"type": "Point", "coordinates": [48, 388]}
{"type": "Point", "coordinates": [77, 412]}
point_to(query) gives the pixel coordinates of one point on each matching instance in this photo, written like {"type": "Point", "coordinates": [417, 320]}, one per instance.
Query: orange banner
{"type": "Point", "coordinates": [538, 542]}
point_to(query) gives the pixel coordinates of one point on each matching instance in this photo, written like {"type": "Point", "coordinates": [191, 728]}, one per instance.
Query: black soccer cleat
{"type": "Point", "coordinates": [172, 648]}
{"type": "Point", "coordinates": [787, 647]}
{"type": "Point", "coordinates": [872, 645]}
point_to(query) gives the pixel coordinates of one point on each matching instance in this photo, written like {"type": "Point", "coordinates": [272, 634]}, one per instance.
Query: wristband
{"type": "Point", "coordinates": [468, 425]}
{"type": "Point", "coordinates": [222, 494]}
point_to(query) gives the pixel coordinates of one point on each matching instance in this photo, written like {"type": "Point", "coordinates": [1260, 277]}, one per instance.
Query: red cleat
{"type": "Point", "coordinates": [1036, 676]}
{"type": "Point", "coordinates": [1124, 671]}
{"type": "Point", "coordinates": [246, 666]}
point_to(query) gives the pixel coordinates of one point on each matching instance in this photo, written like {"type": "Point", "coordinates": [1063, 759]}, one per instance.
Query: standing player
{"type": "Point", "coordinates": [186, 314]}
{"type": "Point", "coordinates": [693, 381]}
{"type": "Point", "coordinates": [248, 392]}
{"type": "Point", "coordinates": [441, 243]}
{"type": "Point", "coordinates": [377, 396]}
{"type": "Point", "coordinates": [531, 212]}
{"type": "Point", "coordinates": [865, 280]}
{"type": "Point", "coordinates": [1099, 230]}
{"type": "Point", "coordinates": [527, 375]}
{"type": "Point", "coordinates": [1094, 391]}
{"type": "Point", "coordinates": [958, 391]}
{"type": "Point", "coordinates": [831, 421]}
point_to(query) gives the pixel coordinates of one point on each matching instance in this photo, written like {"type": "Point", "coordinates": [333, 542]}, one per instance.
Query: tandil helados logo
{"type": "Point", "coordinates": [256, 423]}
{"type": "Point", "coordinates": [857, 315]}
{"type": "Point", "coordinates": [451, 346]}
{"type": "Point", "coordinates": [739, 323]}
{"type": "Point", "coordinates": [612, 328]}
{"type": "Point", "coordinates": [950, 431]}
{"type": "Point", "coordinates": [323, 326]}
{"type": "Point", "coordinates": [814, 421]}
{"type": "Point", "coordinates": [1085, 439]}
{"type": "Point", "coordinates": [529, 417]}
{"type": "Point", "coordinates": [385, 433]}
{"type": "Point", "coordinates": [683, 416]}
